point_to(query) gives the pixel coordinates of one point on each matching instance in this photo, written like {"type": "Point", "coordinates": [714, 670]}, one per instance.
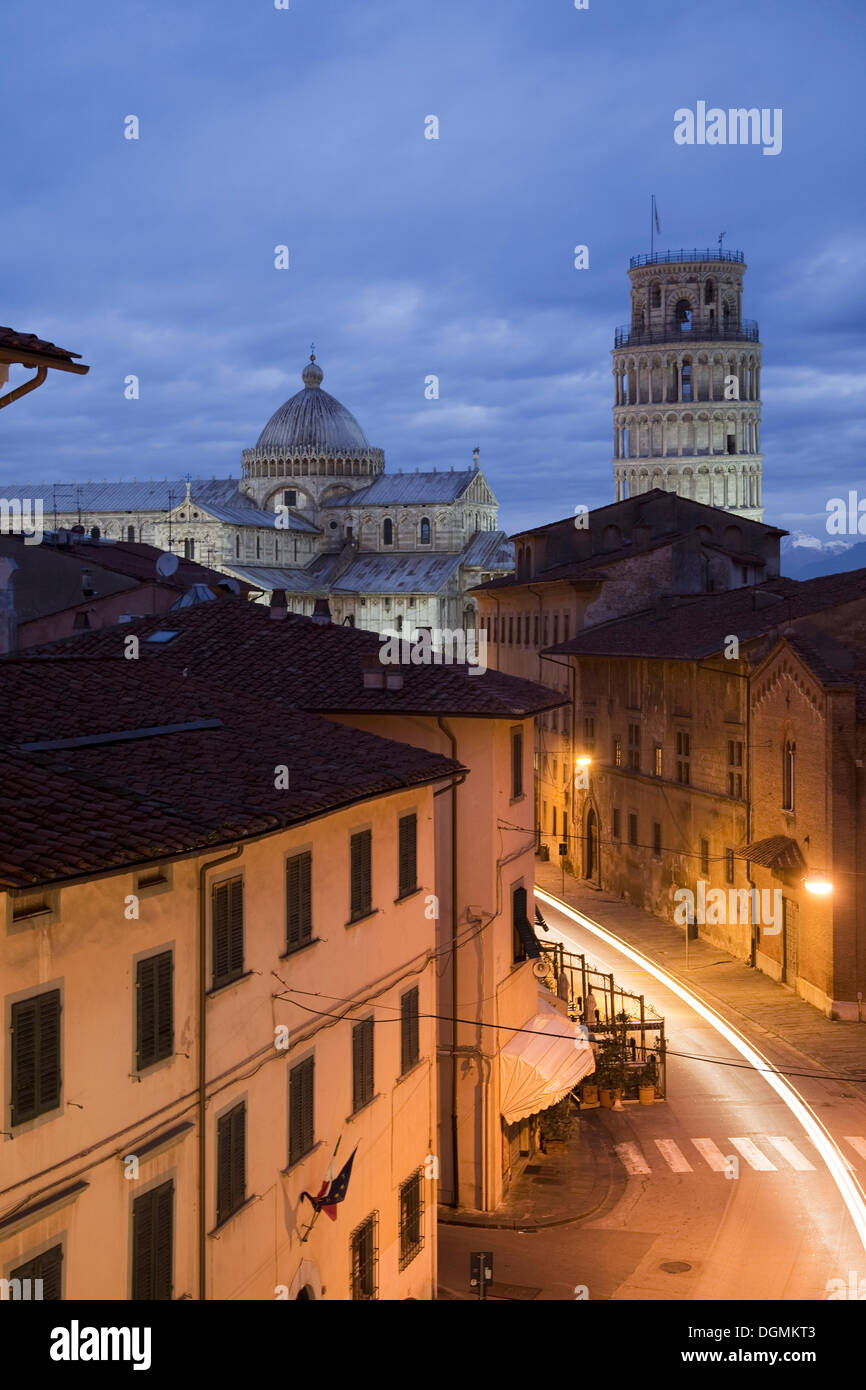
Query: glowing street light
{"type": "Point", "coordinates": [583, 761]}
{"type": "Point", "coordinates": [817, 884]}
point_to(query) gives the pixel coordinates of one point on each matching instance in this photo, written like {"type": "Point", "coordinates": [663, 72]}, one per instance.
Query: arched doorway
{"type": "Point", "coordinates": [306, 1293]}
{"type": "Point", "coordinates": [590, 852]}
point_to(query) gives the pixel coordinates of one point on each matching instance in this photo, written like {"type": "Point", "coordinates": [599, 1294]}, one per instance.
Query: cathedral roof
{"type": "Point", "coordinates": [390, 489]}
{"type": "Point", "coordinates": [312, 419]}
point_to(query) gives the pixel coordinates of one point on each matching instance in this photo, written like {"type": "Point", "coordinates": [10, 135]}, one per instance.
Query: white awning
{"type": "Point", "coordinates": [537, 1067]}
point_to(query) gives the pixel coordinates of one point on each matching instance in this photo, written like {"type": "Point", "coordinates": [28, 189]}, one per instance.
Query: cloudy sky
{"type": "Point", "coordinates": [409, 256]}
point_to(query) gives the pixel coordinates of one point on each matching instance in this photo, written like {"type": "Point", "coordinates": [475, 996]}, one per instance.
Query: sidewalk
{"type": "Point", "coordinates": [745, 996]}
{"type": "Point", "coordinates": [571, 1181]}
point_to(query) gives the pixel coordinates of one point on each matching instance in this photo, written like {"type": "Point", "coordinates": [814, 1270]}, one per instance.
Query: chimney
{"type": "Point", "coordinates": [87, 584]}
{"type": "Point", "coordinates": [475, 453]}
{"type": "Point", "coordinates": [393, 678]}
{"type": "Point", "coordinates": [373, 672]}
{"type": "Point", "coordinates": [278, 608]}
{"type": "Point", "coordinates": [321, 612]}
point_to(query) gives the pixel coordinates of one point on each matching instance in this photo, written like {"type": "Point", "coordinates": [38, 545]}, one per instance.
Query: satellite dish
{"type": "Point", "coordinates": [167, 564]}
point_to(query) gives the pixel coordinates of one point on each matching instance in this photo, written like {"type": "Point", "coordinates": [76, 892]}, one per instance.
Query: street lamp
{"type": "Point", "coordinates": [818, 884]}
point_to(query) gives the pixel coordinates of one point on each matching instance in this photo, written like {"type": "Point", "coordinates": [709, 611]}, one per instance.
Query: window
{"type": "Point", "coordinates": [424, 536]}
{"type": "Point", "coordinates": [301, 1115]}
{"type": "Point", "coordinates": [387, 531]}
{"type": "Point", "coordinates": [657, 840]}
{"type": "Point", "coordinates": [632, 828]}
{"type": "Point", "coordinates": [589, 735]}
{"type": "Point", "coordinates": [566, 623]}
{"type": "Point", "coordinates": [154, 1009]}
{"type": "Point", "coordinates": [634, 747]}
{"type": "Point", "coordinates": [522, 932]}
{"type": "Point", "coordinates": [526, 629]}
{"type": "Point", "coordinates": [408, 855]}
{"type": "Point", "coordinates": [546, 626]}
{"type": "Point", "coordinates": [153, 1243]}
{"type": "Point", "coordinates": [684, 744]}
{"type": "Point", "coordinates": [633, 681]}
{"type": "Point", "coordinates": [130, 534]}
{"type": "Point", "coordinates": [228, 931]}
{"type": "Point", "coordinates": [617, 752]}
{"type": "Point", "coordinates": [729, 865]}
{"type": "Point", "coordinates": [361, 876]}
{"type": "Point", "coordinates": [511, 630]}
{"type": "Point", "coordinates": [411, 1213]}
{"type": "Point", "coordinates": [617, 829]}
{"type": "Point", "coordinates": [46, 1268]}
{"type": "Point", "coordinates": [554, 720]}
{"type": "Point", "coordinates": [31, 905]}
{"type": "Point", "coordinates": [231, 1162]}
{"type": "Point", "coordinates": [657, 760]}
{"type": "Point", "coordinates": [556, 627]}
{"type": "Point", "coordinates": [705, 856]}
{"type": "Point", "coordinates": [290, 497]}
{"type": "Point", "coordinates": [258, 547]}
{"type": "Point", "coordinates": [299, 912]}
{"type": "Point", "coordinates": [535, 630]}
{"type": "Point", "coordinates": [735, 764]}
{"type": "Point", "coordinates": [189, 549]}
{"type": "Point", "coordinates": [364, 1250]}
{"type": "Point", "coordinates": [237, 546]}
{"type": "Point", "coordinates": [362, 1064]}
{"type": "Point", "coordinates": [35, 1056]}
{"type": "Point", "coordinates": [409, 1050]}
{"type": "Point", "coordinates": [516, 763]}
{"type": "Point", "coordinates": [788, 759]}
{"type": "Point", "coordinates": [553, 811]}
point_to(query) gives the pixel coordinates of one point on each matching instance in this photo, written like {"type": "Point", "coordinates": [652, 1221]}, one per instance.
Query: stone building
{"type": "Point", "coordinates": [687, 383]}
{"type": "Point", "coordinates": [726, 736]}
{"type": "Point", "coordinates": [587, 570]}
{"type": "Point", "coordinates": [315, 514]}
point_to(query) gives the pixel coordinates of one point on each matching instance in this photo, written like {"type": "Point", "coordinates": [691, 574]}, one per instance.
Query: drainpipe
{"type": "Point", "coordinates": [202, 1060]}
{"type": "Point", "coordinates": [753, 941]}
{"type": "Point", "coordinates": [452, 739]}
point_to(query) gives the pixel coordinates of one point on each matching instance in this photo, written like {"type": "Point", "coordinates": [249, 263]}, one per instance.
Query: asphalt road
{"type": "Point", "coordinates": [718, 1192]}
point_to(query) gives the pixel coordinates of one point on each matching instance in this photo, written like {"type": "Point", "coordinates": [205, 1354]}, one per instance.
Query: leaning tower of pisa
{"type": "Point", "coordinates": [687, 383]}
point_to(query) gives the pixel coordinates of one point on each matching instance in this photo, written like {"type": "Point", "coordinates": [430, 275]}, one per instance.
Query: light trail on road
{"type": "Point", "coordinates": [849, 1187]}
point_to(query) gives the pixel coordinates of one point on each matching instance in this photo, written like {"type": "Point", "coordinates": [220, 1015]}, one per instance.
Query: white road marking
{"type": "Point", "coordinates": [712, 1153]}
{"type": "Point", "coordinates": [753, 1156]}
{"type": "Point", "coordinates": [790, 1151]}
{"type": "Point", "coordinates": [633, 1160]}
{"type": "Point", "coordinates": [673, 1156]}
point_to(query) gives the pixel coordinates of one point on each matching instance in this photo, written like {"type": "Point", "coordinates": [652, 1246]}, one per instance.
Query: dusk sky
{"type": "Point", "coordinates": [409, 256]}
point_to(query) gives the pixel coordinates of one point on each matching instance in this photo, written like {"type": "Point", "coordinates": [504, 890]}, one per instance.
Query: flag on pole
{"type": "Point", "coordinates": [656, 215]}
{"type": "Point", "coordinates": [333, 1189]}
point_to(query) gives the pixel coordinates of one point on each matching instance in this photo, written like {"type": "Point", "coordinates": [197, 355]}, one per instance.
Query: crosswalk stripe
{"type": "Point", "coordinates": [857, 1142]}
{"type": "Point", "coordinates": [712, 1153]}
{"type": "Point", "coordinates": [791, 1153]}
{"type": "Point", "coordinates": [673, 1156]}
{"type": "Point", "coordinates": [632, 1159]}
{"type": "Point", "coordinates": [753, 1156]}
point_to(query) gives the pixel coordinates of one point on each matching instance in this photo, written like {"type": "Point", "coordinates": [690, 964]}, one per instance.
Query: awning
{"type": "Point", "coordinates": [538, 1066]}
{"type": "Point", "coordinates": [775, 852]}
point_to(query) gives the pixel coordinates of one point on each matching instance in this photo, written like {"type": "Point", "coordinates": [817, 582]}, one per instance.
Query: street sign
{"type": "Point", "coordinates": [480, 1271]}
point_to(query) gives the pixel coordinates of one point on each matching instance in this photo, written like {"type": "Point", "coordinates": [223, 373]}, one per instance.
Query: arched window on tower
{"type": "Point", "coordinates": [387, 531]}
{"type": "Point", "coordinates": [656, 296]}
{"type": "Point", "coordinates": [709, 291]}
{"type": "Point", "coordinates": [683, 316]}
{"type": "Point", "coordinates": [424, 533]}
{"type": "Point", "coordinates": [686, 381]}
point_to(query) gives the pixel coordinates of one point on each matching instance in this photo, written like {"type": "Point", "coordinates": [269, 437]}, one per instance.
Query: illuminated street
{"type": "Point", "coordinates": [778, 1230]}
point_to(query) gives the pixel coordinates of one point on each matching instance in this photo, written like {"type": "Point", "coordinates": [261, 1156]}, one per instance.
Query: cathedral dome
{"type": "Point", "coordinates": [312, 420]}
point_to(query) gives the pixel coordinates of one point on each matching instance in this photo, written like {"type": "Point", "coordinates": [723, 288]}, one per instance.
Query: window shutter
{"type": "Point", "coordinates": [35, 1056]}
{"type": "Point", "coordinates": [408, 855]}
{"type": "Point", "coordinates": [164, 1223]}
{"type": "Point", "coordinates": [239, 1156]}
{"type": "Point", "coordinates": [224, 1167]}
{"type": "Point", "coordinates": [409, 1030]}
{"type": "Point", "coordinates": [220, 931]}
{"type": "Point", "coordinates": [301, 1116]}
{"type": "Point", "coordinates": [164, 1004]}
{"type": "Point", "coordinates": [299, 923]}
{"type": "Point", "coordinates": [362, 1063]}
{"type": "Point", "coordinates": [47, 1267]}
{"type": "Point", "coordinates": [361, 884]}
{"type": "Point", "coordinates": [142, 1246]}
{"type": "Point", "coordinates": [146, 1001]}
{"type": "Point", "coordinates": [236, 926]}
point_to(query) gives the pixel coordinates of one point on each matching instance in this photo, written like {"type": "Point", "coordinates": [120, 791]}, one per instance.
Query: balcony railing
{"type": "Point", "coordinates": [744, 332]}
{"type": "Point", "coordinates": [672, 257]}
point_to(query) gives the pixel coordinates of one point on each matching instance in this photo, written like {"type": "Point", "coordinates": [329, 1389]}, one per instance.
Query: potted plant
{"type": "Point", "coordinates": [647, 1081]}
{"type": "Point", "coordinates": [610, 1070]}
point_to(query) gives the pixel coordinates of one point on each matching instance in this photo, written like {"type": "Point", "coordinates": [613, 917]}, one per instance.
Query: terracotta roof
{"type": "Point", "coordinates": [144, 763]}
{"type": "Point", "coordinates": [306, 665]}
{"type": "Point", "coordinates": [27, 348]}
{"type": "Point", "coordinates": [775, 852]}
{"type": "Point", "coordinates": [695, 626]}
